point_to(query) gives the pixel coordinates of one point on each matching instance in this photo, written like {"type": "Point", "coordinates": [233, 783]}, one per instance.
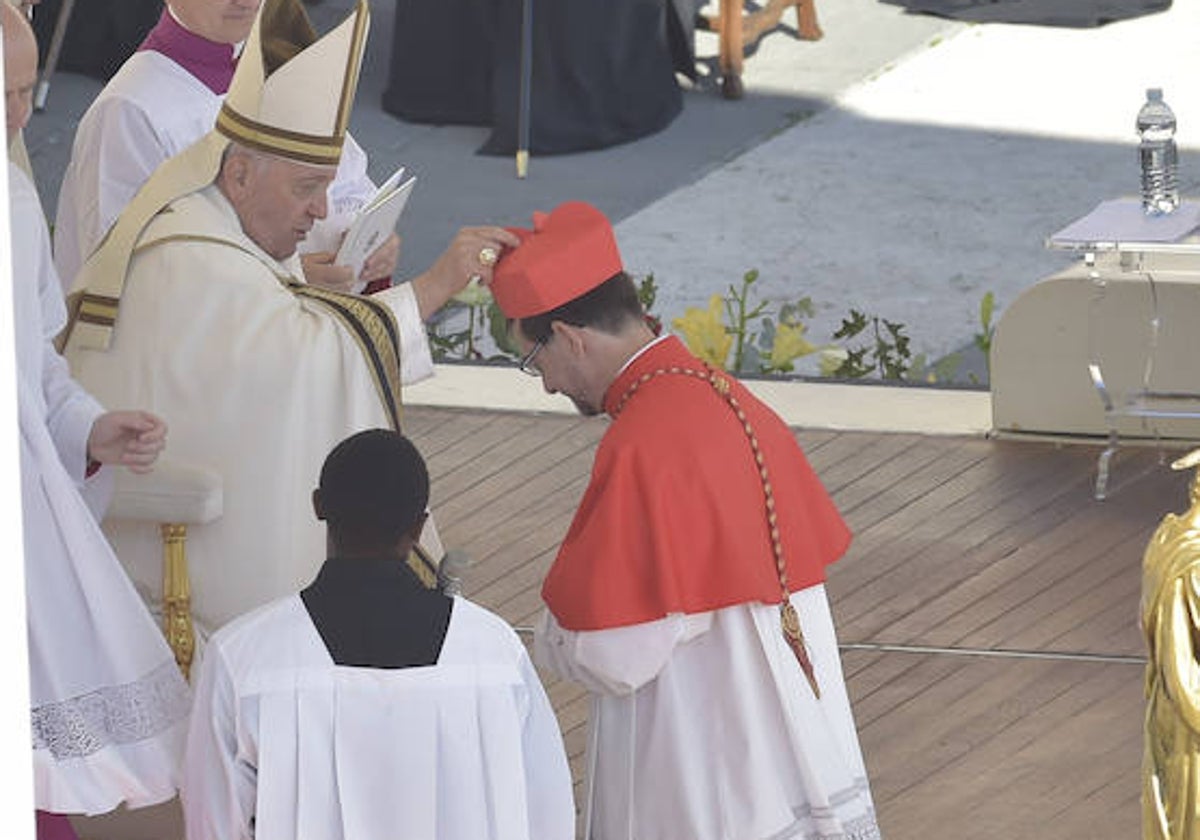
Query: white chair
{"type": "Point", "coordinates": [174, 496]}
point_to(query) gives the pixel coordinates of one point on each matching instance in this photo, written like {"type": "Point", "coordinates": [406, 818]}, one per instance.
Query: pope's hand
{"type": "Point", "coordinates": [471, 254]}
{"type": "Point", "coordinates": [383, 260]}
{"type": "Point", "coordinates": [130, 439]}
{"type": "Point", "coordinates": [320, 270]}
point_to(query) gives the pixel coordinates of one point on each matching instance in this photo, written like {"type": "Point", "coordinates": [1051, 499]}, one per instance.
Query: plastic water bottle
{"type": "Point", "coordinates": [1160, 158]}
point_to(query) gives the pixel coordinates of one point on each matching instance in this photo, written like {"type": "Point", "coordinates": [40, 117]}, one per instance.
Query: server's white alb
{"type": "Point", "coordinates": [462, 750]}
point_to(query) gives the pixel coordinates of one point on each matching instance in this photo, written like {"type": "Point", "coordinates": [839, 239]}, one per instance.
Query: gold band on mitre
{"type": "Point", "coordinates": [306, 148]}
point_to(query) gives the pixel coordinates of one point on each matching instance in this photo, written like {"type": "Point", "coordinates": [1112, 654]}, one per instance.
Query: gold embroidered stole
{"type": "Point", "coordinates": [373, 327]}
{"type": "Point", "coordinates": [371, 324]}
{"type": "Point", "coordinates": [423, 566]}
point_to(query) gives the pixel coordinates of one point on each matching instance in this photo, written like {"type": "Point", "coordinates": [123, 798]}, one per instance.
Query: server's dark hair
{"type": "Point", "coordinates": [374, 487]}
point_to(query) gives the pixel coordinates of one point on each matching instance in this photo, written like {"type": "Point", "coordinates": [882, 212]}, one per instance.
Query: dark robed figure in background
{"type": "Point", "coordinates": [603, 72]}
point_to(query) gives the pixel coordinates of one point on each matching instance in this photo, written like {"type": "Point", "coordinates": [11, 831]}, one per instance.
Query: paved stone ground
{"type": "Point", "coordinates": [904, 165]}
{"type": "Point", "coordinates": [786, 80]}
{"type": "Point", "coordinates": [934, 181]}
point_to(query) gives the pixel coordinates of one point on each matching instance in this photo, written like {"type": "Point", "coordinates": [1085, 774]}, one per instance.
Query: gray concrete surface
{"type": "Point", "coordinates": [925, 186]}
{"type": "Point", "coordinates": [904, 165]}
{"type": "Point", "coordinates": [786, 81]}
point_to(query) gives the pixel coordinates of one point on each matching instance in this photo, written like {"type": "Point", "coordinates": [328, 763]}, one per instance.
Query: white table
{"type": "Point", "coordinates": [1118, 234]}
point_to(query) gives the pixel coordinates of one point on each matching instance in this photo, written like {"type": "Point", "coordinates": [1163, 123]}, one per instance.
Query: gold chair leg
{"type": "Point", "coordinates": [177, 597]}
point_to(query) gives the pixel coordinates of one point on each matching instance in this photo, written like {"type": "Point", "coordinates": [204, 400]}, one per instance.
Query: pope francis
{"type": "Point", "coordinates": [195, 307]}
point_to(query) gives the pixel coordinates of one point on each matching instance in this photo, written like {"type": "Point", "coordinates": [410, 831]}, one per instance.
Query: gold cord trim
{"type": "Point", "coordinates": [788, 618]}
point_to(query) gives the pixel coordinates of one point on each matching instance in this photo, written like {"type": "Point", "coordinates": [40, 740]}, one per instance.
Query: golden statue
{"type": "Point", "coordinates": [1170, 619]}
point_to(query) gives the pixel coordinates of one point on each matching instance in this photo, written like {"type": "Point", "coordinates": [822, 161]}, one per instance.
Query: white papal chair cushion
{"type": "Point", "coordinates": [174, 492]}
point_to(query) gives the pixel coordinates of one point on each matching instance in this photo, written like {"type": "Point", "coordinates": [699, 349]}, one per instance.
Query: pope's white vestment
{"type": "Point", "coordinates": [151, 110]}
{"type": "Point", "coordinates": [714, 703]}
{"type": "Point", "coordinates": [254, 382]}
{"type": "Point", "coordinates": [466, 749]}
{"type": "Point", "coordinates": [109, 706]}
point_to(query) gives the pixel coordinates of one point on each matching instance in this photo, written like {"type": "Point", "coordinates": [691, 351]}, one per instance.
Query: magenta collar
{"type": "Point", "coordinates": [208, 61]}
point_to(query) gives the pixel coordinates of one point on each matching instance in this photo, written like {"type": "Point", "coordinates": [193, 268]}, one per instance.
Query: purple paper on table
{"type": "Point", "coordinates": [1124, 220]}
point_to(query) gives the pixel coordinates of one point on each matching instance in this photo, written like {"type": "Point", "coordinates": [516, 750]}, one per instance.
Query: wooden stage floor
{"type": "Point", "coordinates": [987, 607]}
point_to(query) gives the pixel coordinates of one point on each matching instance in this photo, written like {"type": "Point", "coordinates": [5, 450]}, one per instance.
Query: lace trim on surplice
{"type": "Point", "coordinates": [861, 827]}
{"type": "Point", "coordinates": [112, 715]}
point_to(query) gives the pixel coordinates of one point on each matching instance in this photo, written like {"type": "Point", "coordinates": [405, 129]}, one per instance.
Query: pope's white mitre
{"type": "Point", "coordinates": [302, 109]}
{"type": "Point", "coordinates": [299, 112]}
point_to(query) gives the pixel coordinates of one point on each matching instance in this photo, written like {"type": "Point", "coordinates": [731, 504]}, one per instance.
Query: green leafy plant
{"type": "Point", "coordinates": [647, 292]}
{"type": "Point", "coordinates": [782, 342]}
{"type": "Point", "coordinates": [457, 334]}
{"type": "Point", "coordinates": [735, 333]}
{"type": "Point", "coordinates": [451, 339]}
{"type": "Point", "coordinates": [741, 315]}
{"type": "Point", "coordinates": [983, 338]}
{"type": "Point", "coordinates": [462, 343]}
{"type": "Point", "coordinates": [942, 370]}
{"type": "Point", "coordinates": [885, 352]}
{"type": "Point", "coordinates": [735, 323]}
{"type": "Point", "coordinates": [498, 330]}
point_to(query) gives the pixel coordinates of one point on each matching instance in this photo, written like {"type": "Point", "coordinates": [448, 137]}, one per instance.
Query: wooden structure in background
{"type": "Point", "coordinates": [739, 30]}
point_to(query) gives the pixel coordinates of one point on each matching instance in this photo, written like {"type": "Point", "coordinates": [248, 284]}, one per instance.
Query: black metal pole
{"type": "Point", "coordinates": [526, 76]}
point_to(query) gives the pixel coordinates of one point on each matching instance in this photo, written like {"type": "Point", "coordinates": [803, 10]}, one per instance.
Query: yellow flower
{"type": "Point", "coordinates": [789, 344]}
{"type": "Point", "coordinates": [704, 332]}
{"type": "Point", "coordinates": [832, 359]}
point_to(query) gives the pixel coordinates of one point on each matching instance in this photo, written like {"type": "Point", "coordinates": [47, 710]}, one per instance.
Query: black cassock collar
{"type": "Point", "coordinates": [374, 613]}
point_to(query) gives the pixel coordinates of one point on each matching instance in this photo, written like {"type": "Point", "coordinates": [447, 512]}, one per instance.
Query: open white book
{"type": "Point", "coordinates": [375, 222]}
